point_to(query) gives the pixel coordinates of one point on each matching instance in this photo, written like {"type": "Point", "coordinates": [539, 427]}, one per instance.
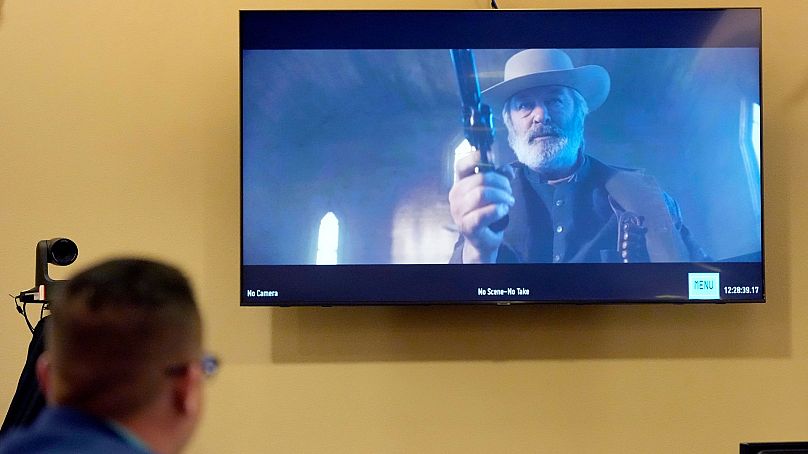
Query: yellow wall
{"type": "Point", "coordinates": [119, 129]}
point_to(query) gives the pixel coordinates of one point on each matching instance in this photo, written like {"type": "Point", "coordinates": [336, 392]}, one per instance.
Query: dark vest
{"type": "Point", "coordinates": [577, 221]}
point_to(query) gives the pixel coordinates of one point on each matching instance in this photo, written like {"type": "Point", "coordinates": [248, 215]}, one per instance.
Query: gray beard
{"type": "Point", "coordinates": [548, 155]}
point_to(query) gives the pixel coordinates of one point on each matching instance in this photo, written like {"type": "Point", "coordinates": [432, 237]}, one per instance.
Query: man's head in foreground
{"type": "Point", "coordinates": [124, 344]}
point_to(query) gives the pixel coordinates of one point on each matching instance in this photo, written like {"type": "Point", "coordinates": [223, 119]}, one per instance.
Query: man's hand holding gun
{"type": "Point", "coordinates": [481, 196]}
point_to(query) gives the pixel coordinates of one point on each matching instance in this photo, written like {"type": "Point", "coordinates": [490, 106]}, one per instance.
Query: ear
{"type": "Point", "coordinates": [43, 373]}
{"type": "Point", "coordinates": [186, 391]}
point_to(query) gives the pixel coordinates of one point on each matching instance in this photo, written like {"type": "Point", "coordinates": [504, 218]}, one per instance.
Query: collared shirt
{"type": "Point", "coordinates": [573, 213]}
{"type": "Point", "coordinates": [67, 430]}
{"type": "Point", "coordinates": [128, 436]}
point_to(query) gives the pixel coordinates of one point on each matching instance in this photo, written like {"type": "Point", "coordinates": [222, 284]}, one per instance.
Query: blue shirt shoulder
{"type": "Point", "coordinates": [61, 430]}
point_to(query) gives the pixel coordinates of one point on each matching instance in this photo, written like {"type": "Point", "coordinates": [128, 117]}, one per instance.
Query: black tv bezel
{"type": "Point", "coordinates": [774, 447]}
{"type": "Point", "coordinates": [654, 28]}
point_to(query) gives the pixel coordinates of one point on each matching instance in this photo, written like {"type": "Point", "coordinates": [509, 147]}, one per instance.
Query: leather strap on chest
{"type": "Point", "coordinates": [640, 194]}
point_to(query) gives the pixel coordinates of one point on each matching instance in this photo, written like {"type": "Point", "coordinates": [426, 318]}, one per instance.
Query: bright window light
{"type": "Point", "coordinates": [756, 133]}
{"type": "Point", "coordinates": [462, 150]}
{"type": "Point", "coordinates": [750, 149]}
{"type": "Point", "coordinates": [328, 240]}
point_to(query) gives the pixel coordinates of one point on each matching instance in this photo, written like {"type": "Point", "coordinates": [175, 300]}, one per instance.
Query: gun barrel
{"type": "Point", "coordinates": [466, 71]}
{"type": "Point", "coordinates": [477, 118]}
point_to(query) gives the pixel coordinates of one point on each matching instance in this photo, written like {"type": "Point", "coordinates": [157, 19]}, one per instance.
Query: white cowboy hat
{"type": "Point", "coordinates": [539, 67]}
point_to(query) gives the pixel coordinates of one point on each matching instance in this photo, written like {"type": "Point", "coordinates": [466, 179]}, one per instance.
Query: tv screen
{"type": "Point", "coordinates": [498, 157]}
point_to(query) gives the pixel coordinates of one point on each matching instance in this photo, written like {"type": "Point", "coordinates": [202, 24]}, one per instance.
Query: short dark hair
{"type": "Point", "coordinates": [114, 331]}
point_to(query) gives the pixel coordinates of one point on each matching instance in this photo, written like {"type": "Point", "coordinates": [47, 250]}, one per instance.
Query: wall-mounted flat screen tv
{"type": "Point", "coordinates": [501, 157]}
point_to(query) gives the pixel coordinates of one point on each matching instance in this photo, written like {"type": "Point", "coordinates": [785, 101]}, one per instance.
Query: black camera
{"type": "Point", "coordinates": [58, 251]}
